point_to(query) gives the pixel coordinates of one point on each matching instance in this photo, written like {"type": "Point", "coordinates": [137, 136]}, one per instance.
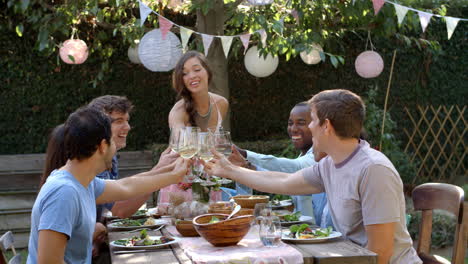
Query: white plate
{"type": "Point", "coordinates": [176, 240]}
{"type": "Point", "coordinates": [282, 204]}
{"type": "Point", "coordinates": [302, 219]}
{"type": "Point", "coordinates": [285, 237]}
{"type": "Point", "coordinates": [114, 225]}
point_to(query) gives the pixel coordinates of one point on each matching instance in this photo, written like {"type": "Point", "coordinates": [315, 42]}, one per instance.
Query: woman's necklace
{"type": "Point", "coordinates": [209, 111]}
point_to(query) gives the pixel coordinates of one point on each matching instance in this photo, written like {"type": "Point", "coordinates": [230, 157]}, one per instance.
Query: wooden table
{"type": "Point", "coordinates": [332, 252]}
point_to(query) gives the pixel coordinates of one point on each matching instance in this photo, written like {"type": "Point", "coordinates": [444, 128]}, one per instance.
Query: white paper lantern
{"type": "Point", "coordinates": [159, 55]}
{"type": "Point", "coordinates": [369, 64]}
{"type": "Point", "coordinates": [75, 48]}
{"type": "Point", "coordinates": [257, 65]}
{"type": "Point", "coordinates": [260, 2]}
{"type": "Point", "coordinates": [133, 54]}
{"type": "Point", "coordinates": [312, 57]}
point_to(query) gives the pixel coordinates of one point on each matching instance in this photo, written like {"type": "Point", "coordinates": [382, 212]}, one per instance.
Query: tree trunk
{"type": "Point", "coordinates": [213, 24]}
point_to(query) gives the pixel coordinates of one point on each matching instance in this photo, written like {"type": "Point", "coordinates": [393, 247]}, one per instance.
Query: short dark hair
{"type": "Point", "coordinates": [304, 103]}
{"type": "Point", "coordinates": [112, 103]}
{"type": "Point", "coordinates": [83, 132]}
{"type": "Point", "coordinates": [345, 110]}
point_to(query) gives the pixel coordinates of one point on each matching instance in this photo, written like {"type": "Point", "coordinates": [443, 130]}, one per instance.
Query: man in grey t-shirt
{"type": "Point", "coordinates": [364, 190]}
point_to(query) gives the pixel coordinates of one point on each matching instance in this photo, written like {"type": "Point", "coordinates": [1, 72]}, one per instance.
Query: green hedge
{"type": "Point", "coordinates": [36, 95]}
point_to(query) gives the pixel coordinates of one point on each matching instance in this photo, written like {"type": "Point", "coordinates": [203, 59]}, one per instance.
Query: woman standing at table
{"type": "Point", "coordinates": [196, 106]}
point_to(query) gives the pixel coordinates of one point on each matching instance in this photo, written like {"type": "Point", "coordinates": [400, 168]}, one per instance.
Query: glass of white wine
{"type": "Point", "coordinates": [223, 144]}
{"type": "Point", "coordinates": [175, 138]}
{"type": "Point", "coordinates": [205, 144]}
{"type": "Point", "coordinates": [188, 142]}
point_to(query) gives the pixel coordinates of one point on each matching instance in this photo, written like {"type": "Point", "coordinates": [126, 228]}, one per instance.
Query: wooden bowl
{"type": "Point", "coordinates": [225, 232]}
{"type": "Point", "coordinates": [249, 201]}
{"type": "Point", "coordinates": [186, 228]}
{"type": "Point", "coordinates": [243, 211]}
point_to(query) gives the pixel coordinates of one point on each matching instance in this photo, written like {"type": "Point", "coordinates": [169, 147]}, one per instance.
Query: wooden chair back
{"type": "Point", "coordinates": [430, 196]}
{"type": "Point", "coordinates": [6, 242]}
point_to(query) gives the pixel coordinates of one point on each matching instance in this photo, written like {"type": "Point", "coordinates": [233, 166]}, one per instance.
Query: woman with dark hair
{"type": "Point", "coordinates": [55, 154]}
{"type": "Point", "coordinates": [196, 106]}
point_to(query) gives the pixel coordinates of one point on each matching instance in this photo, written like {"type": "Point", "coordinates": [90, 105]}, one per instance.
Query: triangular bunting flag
{"type": "Point", "coordinates": [400, 12]}
{"type": "Point", "coordinates": [207, 39]}
{"type": "Point", "coordinates": [452, 23]}
{"type": "Point", "coordinates": [165, 25]}
{"type": "Point", "coordinates": [424, 18]}
{"type": "Point", "coordinates": [185, 34]}
{"type": "Point", "coordinates": [263, 36]}
{"type": "Point", "coordinates": [245, 40]}
{"type": "Point", "coordinates": [377, 5]}
{"type": "Point", "coordinates": [226, 41]}
{"type": "Point", "coordinates": [144, 12]}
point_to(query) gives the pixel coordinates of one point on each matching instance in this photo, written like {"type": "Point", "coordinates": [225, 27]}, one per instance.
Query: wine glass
{"type": "Point", "coordinates": [205, 144]}
{"type": "Point", "coordinates": [188, 142]}
{"type": "Point", "coordinates": [270, 231]}
{"type": "Point", "coordinates": [188, 147]}
{"type": "Point", "coordinates": [175, 138]}
{"type": "Point", "coordinates": [223, 144]}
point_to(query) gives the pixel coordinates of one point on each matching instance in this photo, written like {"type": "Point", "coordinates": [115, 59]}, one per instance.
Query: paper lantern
{"type": "Point", "coordinates": [260, 2]}
{"type": "Point", "coordinates": [369, 64]}
{"type": "Point", "coordinates": [312, 57]}
{"type": "Point", "coordinates": [159, 55]}
{"type": "Point", "coordinates": [257, 65]}
{"type": "Point", "coordinates": [133, 54]}
{"type": "Point", "coordinates": [74, 48]}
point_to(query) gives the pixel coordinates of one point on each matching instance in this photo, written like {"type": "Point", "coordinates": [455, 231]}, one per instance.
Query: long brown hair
{"type": "Point", "coordinates": [178, 81]}
{"type": "Point", "coordinates": [55, 154]}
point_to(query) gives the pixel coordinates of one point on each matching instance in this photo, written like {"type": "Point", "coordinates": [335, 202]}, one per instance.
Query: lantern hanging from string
{"type": "Point", "coordinates": [260, 2]}
{"type": "Point", "coordinates": [313, 56]}
{"type": "Point", "coordinates": [74, 51]}
{"type": "Point", "coordinates": [132, 53]}
{"type": "Point", "coordinates": [369, 64]}
{"type": "Point", "coordinates": [259, 66]}
{"type": "Point", "coordinates": [158, 54]}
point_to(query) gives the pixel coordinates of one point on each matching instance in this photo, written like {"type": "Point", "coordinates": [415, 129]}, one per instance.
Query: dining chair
{"type": "Point", "coordinates": [447, 197]}
{"type": "Point", "coordinates": [6, 242]}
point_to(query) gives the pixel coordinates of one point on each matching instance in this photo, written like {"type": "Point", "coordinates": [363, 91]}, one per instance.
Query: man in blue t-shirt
{"type": "Point", "coordinates": [64, 213]}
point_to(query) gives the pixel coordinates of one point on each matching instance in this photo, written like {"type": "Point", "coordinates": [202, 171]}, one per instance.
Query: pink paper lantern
{"type": "Point", "coordinates": [75, 48]}
{"type": "Point", "coordinates": [369, 64]}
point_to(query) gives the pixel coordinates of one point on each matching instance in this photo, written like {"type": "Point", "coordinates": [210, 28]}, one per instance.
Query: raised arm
{"type": "Point", "coordinates": [265, 181]}
{"type": "Point", "coordinates": [142, 183]}
{"type": "Point", "coordinates": [178, 116]}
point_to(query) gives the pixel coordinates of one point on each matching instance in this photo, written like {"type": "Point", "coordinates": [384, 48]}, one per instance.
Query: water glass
{"type": "Point", "coordinates": [261, 211]}
{"type": "Point", "coordinates": [270, 231]}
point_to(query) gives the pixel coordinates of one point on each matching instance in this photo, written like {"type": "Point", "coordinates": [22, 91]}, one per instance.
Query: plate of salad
{"type": "Point", "coordinates": [144, 241]}
{"type": "Point", "coordinates": [130, 224]}
{"type": "Point", "coordinates": [306, 234]}
{"type": "Point", "coordinates": [295, 218]}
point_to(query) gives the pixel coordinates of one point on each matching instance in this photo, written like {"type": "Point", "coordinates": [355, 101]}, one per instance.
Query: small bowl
{"type": "Point", "coordinates": [243, 211]}
{"type": "Point", "coordinates": [249, 201]}
{"type": "Point", "coordinates": [186, 228]}
{"type": "Point", "coordinates": [225, 232]}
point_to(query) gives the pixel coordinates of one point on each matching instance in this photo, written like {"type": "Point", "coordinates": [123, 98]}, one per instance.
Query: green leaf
{"type": "Point", "coordinates": [341, 59]}
{"type": "Point", "coordinates": [322, 56]}
{"type": "Point", "coordinates": [24, 4]}
{"type": "Point", "coordinates": [71, 58]}
{"type": "Point", "coordinates": [43, 39]}
{"type": "Point", "coordinates": [19, 30]}
{"type": "Point", "coordinates": [334, 61]}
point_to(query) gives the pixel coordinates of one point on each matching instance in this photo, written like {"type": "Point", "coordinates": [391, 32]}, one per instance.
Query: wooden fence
{"type": "Point", "coordinates": [437, 142]}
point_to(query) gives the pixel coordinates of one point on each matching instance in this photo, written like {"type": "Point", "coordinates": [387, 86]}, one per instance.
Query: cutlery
{"type": "Point", "coordinates": [236, 209]}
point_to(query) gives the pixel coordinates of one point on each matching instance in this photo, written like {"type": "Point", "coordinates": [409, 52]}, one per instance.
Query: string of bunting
{"type": "Point", "coordinates": [424, 17]}
{"type": "Point", "coordinates": [165, 25]}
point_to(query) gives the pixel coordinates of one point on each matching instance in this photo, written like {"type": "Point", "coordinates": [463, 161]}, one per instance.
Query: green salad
{"type": "Point", "coordinates": [142, 240]}
{"type": "Point", "coordinates": [292, 217]}
{"type": "Point", "coordinates": [305, 232]}
{"type": "Point", "coordinates": [130, 222]}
